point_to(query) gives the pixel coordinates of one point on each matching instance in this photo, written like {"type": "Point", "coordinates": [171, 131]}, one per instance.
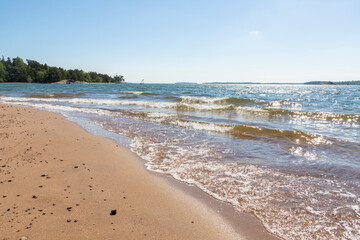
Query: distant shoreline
{"type": "Point", "coordinates": [355, 82]}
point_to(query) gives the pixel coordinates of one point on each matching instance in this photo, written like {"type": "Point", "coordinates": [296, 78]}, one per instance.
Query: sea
{"type": "Point", "coordinates": [288, 154]}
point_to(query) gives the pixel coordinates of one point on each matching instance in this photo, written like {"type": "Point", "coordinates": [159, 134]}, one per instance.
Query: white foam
{"type": "Point", "coordinates": [133, 92]}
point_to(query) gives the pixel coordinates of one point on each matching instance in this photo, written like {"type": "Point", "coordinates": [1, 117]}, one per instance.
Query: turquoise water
{"type": "Point", "coordinates": [289, 154]}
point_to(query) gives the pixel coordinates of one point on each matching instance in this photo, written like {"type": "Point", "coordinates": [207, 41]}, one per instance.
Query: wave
{"type": "Point", "coordinates": [150, 104]}
{"type": "Point", "coordinates": [254, 133]}
{"type": "Point", "coordinates": [239, 131]}
{"type": "Point", "coordinates": [139, 93]}
{"type": "Point", "coordinates": [294, 137]}
{"type": "Point", "coordinates": [205, 104]}
{"type": "Point", "coordinates": [55, 95]}
{"type": "Point", "coordinates": [217, 100]}
{"type": "Point", "coordinates": [327, 116]}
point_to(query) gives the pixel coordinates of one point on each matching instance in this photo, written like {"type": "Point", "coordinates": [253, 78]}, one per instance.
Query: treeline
{"type": "Point", "coordinates": [16, 70]}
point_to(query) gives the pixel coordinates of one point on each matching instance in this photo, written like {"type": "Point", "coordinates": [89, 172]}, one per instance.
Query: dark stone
{"type": "Point", "coordinates": [113, 212]}
{"type": "Point", "coordinates": [35, 197]}
{"type": "Point", "coordinates": [69, 220]}
{"type": "Point", "coordinates": [44, 175]}
{"type": "Point", "coordinates": [69, 208]}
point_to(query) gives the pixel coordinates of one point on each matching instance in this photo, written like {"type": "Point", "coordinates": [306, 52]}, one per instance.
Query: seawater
{"type": "Point", "coordinates": [288, 154]}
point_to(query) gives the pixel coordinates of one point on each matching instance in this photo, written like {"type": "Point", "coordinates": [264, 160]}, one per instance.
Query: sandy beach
{"type": "Point", "coordinates": [59, 182]}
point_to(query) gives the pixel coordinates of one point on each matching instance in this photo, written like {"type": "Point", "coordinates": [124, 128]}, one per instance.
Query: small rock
{"type": "Point", "coordinates": [69, 208]}
{"type": "Point", "coordinates": [23, 238]}
{"type": "Point", "coordinates": [44, 175]}
{"type": "Point", "coordinates": [113, 212]}
{"type": "Point", "coordinates": [69, 220]}
{"type": "Point", "coordinates": [35, 197]}
{"type": "Point", "coordinates": [75, 220]}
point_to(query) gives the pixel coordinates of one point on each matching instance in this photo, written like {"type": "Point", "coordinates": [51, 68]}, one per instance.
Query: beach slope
{"type": "Point", "coordinates": [59, 182]}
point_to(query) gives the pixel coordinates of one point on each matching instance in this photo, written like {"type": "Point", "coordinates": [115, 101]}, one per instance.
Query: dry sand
{"type": "Point", "coordinates": [59, 182]}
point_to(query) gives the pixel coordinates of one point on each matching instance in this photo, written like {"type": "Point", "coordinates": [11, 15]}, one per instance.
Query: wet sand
{"type": "Point", "coordinates": [59, 182]}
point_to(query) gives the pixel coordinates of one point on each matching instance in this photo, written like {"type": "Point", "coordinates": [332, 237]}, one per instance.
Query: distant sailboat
{"type": "Point", "coordinates": [142, 81]}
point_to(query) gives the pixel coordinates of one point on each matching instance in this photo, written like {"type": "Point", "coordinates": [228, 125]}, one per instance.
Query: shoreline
{"type": "Point", "coordinates": [170, 209]}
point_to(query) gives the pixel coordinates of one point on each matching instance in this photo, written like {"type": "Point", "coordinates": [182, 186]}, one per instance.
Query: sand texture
{"type": "Point", "coordinates": [59, 182]}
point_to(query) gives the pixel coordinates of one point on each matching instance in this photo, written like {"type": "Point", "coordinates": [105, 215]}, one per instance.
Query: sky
{"type": "Point", "coordinates": [189, 41]}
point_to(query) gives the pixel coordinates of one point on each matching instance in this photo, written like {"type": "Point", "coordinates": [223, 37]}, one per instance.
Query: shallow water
{"type": "Point", "coordinates": [289, 154]}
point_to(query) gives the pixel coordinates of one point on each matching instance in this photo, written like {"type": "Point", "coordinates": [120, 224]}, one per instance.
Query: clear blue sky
{"type": "Point", "coordinates": [200, 41]}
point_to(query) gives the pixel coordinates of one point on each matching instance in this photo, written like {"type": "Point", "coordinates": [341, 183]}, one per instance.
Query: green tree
{"type": "Point", "coordinates": [29, 79]}
{"type": "Point", "coordinates": [87, 77]}
{"type": "Point", "coordinates": [98, 79]}
{"type": "Point", "coordinates": [3, 72]}
{"type": "Point", "coordinates": [118, 78]}
{"type": "Point", "coordinates": [41, 76]}
{"type": "Point", "coordinates": [53, 75]}
{"type": "Point", "coordinates": [19, 70]}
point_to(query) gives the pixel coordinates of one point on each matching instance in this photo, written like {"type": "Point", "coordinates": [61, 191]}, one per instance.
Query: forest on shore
{"type": "Point", "coordinates": [16, 70]}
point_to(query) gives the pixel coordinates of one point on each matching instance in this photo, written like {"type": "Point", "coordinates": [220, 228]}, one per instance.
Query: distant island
{"type": "Point", "coordinates": [355, 82]}
{"type": "Point", "coordinates": [16, 70]}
